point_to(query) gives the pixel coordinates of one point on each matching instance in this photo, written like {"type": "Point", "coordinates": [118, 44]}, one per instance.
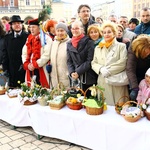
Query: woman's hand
{"type": "Point", "coordinates": [75, 75]}
{"type": "Point", "coordinates": [31, 67]}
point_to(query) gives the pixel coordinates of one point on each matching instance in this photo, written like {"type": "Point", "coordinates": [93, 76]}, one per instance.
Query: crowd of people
{"type": "Point", "coordinates": [88, 51]}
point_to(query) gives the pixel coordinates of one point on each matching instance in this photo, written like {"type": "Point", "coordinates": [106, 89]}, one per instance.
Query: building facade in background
{"type": "Point", "coordinates": [129, 8]}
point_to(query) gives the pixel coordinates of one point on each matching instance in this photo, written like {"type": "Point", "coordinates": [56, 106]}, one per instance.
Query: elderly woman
{"type": "Point", "coordinates": [80, 52]}
{"type": "Point", "coordinates": [58, 56]}
{"type": "Point", "coordinates": [110, 59]}
{"type": "Point", "coordinates": [94, 32]}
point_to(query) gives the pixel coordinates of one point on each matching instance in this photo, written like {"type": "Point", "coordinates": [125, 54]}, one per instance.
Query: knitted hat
{"type": "Point", "coordinates": [148, 72]}
{"type": "Point", "coordinates": [62, 25]}
{"type": "Point", "coordinates": [134, 20]}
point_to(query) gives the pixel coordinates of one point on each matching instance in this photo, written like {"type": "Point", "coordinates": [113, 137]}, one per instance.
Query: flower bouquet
{"type": "Point", "coordinates": [95, 103]}
{"type": "Point", "coordinates": [30, 94]}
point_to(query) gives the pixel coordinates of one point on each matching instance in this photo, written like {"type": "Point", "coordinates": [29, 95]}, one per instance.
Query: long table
{"type": "Point", "coordinates": [108, 131]}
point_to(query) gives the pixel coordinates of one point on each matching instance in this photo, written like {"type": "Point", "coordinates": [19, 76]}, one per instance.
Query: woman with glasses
{"type": "Point", "coordinates": [80, 52]}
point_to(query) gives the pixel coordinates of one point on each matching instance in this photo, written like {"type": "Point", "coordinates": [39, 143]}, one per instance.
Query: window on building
{"type": "Point", "coordinates": [11, 2]}
{"type": "Point", "coordinates": [143, 5]}
{"type": "Point", "coordinates": [135, 14]}
{"type": "Point", "coordinates": [147, 5]}
{"type": "Point", "coordinates": [42, 2]}
{"type": "Point", "coordinates": [28, 2]}
{"type": "Point", "coordinates": [135, 7]}
{"type": "Point", "coordinates": [139, 6]}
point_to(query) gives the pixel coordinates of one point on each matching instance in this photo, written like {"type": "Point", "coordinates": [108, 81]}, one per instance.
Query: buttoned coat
{"type": "Point", "coordinates": [114, 58]}
{"type": "Point", "coordinates": [12, 61]}
{"type": "Point", "coordinates": [58, 58]}
{"type": "Point", "coordinates": [79, 60]}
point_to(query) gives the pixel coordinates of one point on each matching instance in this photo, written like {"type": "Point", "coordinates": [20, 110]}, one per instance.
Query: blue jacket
{"type": "Point", "coordinates": [143, 28]}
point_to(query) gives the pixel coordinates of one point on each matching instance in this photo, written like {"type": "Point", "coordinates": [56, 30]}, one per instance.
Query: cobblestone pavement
{"type": "Point", "coordinates": [25, 138]}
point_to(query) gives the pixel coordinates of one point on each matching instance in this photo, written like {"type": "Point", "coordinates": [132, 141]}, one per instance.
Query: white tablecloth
{"type": "Point", "coordinates": [13, 112]}
{"type": "Point", "coordinates": [108, 131]}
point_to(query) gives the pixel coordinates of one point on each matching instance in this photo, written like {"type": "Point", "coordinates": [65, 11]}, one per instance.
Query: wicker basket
{"type": "Point", "coordinates": [93, 110]}
{"type": "Point", "coordinates": [27, 102]}
{"type": "Point", "coordinates": [120, 103]}
{"type": "Point", "coordinates": [2, 91]}
{"type": "Point", "coordinates": [129, 118]}
{"type": "Point", "coordinates": [146, 113]}
{"type": "Point", "coordinates": [56, 92]}
{"type": "Point", "coordinates": [74, 106]}
{"type": "Point", "coordinates": [56, 106]}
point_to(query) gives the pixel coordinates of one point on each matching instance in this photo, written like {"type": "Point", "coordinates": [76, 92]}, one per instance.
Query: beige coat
{"type": "Point", "coordinates": [58, 58]}
{"type": "Point", "coordinates": [114, 58]}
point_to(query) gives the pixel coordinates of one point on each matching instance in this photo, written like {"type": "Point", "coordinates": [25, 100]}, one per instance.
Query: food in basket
{"type": "Point", "coordinates": [120, 103]}
{"type": "Point", "coordinates": [57, 103]}
{"type": "Point", "coordinates": [12, 93]}
{"type": "Point", "coordinates": [2, 90]}
{"type": "Point", "coordinates": [146, 108]}
{"type": "Point", "coordinates": [131, 111]}
{"type": "Point", "coordinates": [75, 99]}
{"type": "Point", "coordinates": [95, 103]}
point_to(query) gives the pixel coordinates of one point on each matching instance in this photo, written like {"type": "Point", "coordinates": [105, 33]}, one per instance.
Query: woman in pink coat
{"type": "Point", "coordinates": [144, 89]}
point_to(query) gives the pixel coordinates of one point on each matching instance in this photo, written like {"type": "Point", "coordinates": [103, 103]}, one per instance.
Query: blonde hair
{"type": "Point", "coordinates": [140, 45]}
{"type": "Point", "coordinates": [96, 27]}
{"type": "Point", "coordinates": [112, 25]}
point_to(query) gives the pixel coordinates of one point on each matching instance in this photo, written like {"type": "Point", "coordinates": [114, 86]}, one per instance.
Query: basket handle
{"type": "Point", "coordinates": [122, 98]}
{"type": "Point", "coordinates": [76, 88]}
{"type": "Point", "coordinates": [129, 102]}
{"type": "Point", "coordinates": [96, 89]}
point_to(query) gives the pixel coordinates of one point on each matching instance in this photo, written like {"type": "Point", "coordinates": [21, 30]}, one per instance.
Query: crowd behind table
{"type": "Point", "coordinates": [86, 50]}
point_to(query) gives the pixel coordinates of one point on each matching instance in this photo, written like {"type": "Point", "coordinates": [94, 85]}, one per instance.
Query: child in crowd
{"type": "Point", "coordinates": [144, 89]}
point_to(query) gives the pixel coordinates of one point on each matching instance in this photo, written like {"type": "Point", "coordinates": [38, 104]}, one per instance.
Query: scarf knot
{"type": "Point", "coordinates": [106, 44]}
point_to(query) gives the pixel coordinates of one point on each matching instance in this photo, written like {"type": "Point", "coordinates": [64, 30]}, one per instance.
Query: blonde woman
{"type": "Point", "coordinates": [138, 62]}
{"type": "Point", "coordinates": [94, 32]}
{"type": "Point", "coordinates": [110, 58]}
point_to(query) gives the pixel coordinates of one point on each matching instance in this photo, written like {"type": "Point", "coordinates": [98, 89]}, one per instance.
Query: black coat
{"type": "Point", "coordinates": [79, 60]}
{"type": "Point", "coordinates": [12, 61]}
{"type": "Point", "coordinates": [1, 48]}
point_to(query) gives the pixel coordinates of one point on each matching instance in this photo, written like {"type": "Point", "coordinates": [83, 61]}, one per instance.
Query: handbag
{"type": "Point", "coordinates": [119, 79]}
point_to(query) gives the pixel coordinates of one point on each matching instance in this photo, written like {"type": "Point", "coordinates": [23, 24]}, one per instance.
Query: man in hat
{"type": "Point", "coordinates": [14, 42]}
{"type": "Point", "coordinates": [36, 54]}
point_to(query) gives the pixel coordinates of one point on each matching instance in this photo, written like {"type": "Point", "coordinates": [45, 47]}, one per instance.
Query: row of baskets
{"type": "Point", "coordinates": [131, 110]}
{"type": "Point", "coordinates": [75, 98]}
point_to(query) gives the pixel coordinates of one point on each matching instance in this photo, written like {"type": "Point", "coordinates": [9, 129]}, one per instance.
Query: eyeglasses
{"type": "Point", "coordinates": [84, 11]}
{"type": "Point", "coordinates": [75, 28]}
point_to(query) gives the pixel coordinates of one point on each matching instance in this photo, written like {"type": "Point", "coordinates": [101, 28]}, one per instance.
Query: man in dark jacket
{"type": "Point", "coordinates": [84, 13]}
{"type": "Point", "coordinates": [144, 26]}
{"type": "Point", "coordinates": [14, 42]}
